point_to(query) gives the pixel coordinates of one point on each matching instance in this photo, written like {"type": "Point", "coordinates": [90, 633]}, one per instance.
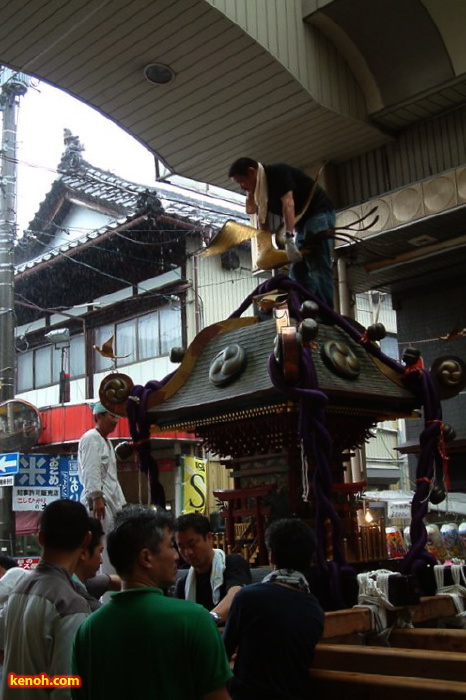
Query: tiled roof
{"type": "Point", "coordinates": [125, 200]}
{"type": "Point", "coordinates": [106, 188]}
{"type": "Point", "coordinates": [198, 398]}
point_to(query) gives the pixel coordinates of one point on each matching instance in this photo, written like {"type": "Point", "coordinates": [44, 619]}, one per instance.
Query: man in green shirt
{"type": "Point", "coordinates": [143, 644]}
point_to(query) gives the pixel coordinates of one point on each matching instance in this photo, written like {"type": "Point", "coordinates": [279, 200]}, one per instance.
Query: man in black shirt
{"type": "Point", "coordinates": [304, 207]}
{"type": "Point", "coordinates": [213, 578]}
{"type": "Point", "coordinates": [274, 625]}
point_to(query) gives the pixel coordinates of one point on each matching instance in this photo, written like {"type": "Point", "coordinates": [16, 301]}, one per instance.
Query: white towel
{"type": "Point", "coordinates": [256, 205]}
{"type": "Point", "coordinates": [216, 578]}
{"type": "Point", "coordinates": [457, 591]}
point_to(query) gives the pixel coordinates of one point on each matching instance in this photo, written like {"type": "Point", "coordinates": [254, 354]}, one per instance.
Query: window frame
{"type": "Point", "coordinates": [101, 334]}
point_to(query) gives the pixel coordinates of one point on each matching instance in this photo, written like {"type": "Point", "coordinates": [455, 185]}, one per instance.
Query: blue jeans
{"type": "Point", "coordinates": [315, 270]}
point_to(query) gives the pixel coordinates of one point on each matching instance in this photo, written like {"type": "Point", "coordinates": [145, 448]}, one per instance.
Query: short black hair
{"type": "Point", "coordinates": [292, 544]}
{"type": "Point", "coordinates": [135, 528]}
{"type": "Point", "coordinates": [64, 525]}
{"type": "Point", "coordinates": [7, 562]}
{"type": "Point", "coordinates": [193, 521]}
{"type": "Point", "coordinates": [97, 532]}
{"type": "Point", "coordinates": [241, 166]}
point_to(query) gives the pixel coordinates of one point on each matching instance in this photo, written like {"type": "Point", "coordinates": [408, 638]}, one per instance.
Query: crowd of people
{"type": "Point", "coordinates": [184, 621]}
{"type": "Point", "coordinates": [204, 632]}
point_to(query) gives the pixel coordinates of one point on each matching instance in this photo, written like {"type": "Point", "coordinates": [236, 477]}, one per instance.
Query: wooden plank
{"type": "Point", "coordinates": [387, 661]}
{"type": "Point", "coordinates": [433, 607]}
{"type": "Point", "coordinates": [363, 686]}
{"type": "Point", "coordinates": [347, 622]}
{"type": "Point", "coordinates": [453, 640]}
{"type": "Point", "coordinates": [415, 254]}
{"type": "Point", "coordinates": [341, 623]}
{"type": "Point", "coordinates": [258, 472]}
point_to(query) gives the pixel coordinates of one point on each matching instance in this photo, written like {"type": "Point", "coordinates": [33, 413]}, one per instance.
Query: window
{"type": "Point", "coordinates": [170, 329]}
{"type": "Point", "coordinates": [141, 338]}
{"type": "Point", "coordinates": [103, 334]}
{"type": "Point", "coordinates": [71, 359]}
{"type": "Point", "coordinates": [43, 367]}
{"type": "Point", "coordinates": [151, 335]}
{"type": "Point", "coordinates": [25, 371]}
{"type": "Point", "coordinates": [126, 340]}
{"type": "Point", "coordinates": [40, 368]}
{"type": "Point", "coordinates": [77, 365]}
{"type": "Point", "coordinates": [59, 355]}
{"type": "Point", "coordinates": [148, 331]}
{"type": "Point", "coordinates": [389, 345]}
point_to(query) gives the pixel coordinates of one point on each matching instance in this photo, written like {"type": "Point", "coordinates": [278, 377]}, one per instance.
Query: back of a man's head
{"type": "Point", "coordinates": [7, 562]}
{"type": "Point", "coordinates": [135, 528]}
{"type": "Point", "coordinates": [291, 543]}
{"type": "Point", "coordinates": [63, 525]}
{"type": "Point", "coordinates": [193, 521]}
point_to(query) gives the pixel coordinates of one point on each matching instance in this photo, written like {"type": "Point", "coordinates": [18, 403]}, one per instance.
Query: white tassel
{"type": "Point", "coordinates": [305, 474]}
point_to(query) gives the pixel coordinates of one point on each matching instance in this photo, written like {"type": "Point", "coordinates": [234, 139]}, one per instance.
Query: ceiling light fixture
{"type": "Point", "coordinates": [423, 240]}
{"type": "Point", "coordinates": [159, 74]}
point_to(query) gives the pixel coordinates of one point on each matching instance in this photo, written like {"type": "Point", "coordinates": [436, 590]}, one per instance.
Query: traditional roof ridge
{"type": "Point", "coordinates": [80, 181]}
{"type": "Point", "coordinates": [165, 190]}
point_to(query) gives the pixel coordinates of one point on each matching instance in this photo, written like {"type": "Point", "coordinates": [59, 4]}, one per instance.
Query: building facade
{"type": "Point", "coordinates": [375, 89]}
{"type": "Point", "coordinates": [132, 281]}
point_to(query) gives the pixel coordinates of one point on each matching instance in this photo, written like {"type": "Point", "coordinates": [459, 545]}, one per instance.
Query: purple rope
{"type": "Point", "coordinates": [313, 432]}
{"type": "Point", "coordinates": [429, 464]}
{"type": "Point", "coordinates": [139, 425]}
{"type": "Point", "coordinates": [419, 382]}
{"type": "Point", "coordinates": [317, 443]}
{"type": "Point", "coordinates": [296, 295]}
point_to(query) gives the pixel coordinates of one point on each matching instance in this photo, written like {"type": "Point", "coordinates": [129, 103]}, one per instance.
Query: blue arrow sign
{"type": "Point", "coordinates": [9, 463]}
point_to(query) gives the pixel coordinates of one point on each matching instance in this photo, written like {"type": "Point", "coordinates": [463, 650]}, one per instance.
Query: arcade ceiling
{"type": "Point", "coordinates": [241, 85]}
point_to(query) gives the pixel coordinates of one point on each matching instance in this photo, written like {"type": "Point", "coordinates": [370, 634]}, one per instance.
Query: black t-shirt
{"type": "Point", "coordinates": [98, 585]}
{"type": "Point", "coordinates": [236, 573]}
{"type": "Point", "coordinates": [283, 178]}
{"type": "Point", "coordinates": [275, 630]}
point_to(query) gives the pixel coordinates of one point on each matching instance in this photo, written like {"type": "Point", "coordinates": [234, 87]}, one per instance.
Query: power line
{"type": "Point", "coordinates": [183, 233]}
{"type": "Point", "coordinates": [56, 250]}
{"type": "Point", "coordinates": [135, 189]}
{"type": "Point", "coordinates": [87, 232]}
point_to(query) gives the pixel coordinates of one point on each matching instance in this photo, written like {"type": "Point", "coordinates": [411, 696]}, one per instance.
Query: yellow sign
{"type": "Point", "coordinates": [194, 485]}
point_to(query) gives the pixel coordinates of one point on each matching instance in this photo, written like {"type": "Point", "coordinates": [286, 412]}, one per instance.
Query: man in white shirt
{"type": "Point", "coordinates": [102, 494]}
{"type": "Point", "coordinates": [10, 575]}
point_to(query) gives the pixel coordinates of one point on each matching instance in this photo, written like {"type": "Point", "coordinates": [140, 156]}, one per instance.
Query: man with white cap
{"type": "Point", "coordinates": [102, 494]}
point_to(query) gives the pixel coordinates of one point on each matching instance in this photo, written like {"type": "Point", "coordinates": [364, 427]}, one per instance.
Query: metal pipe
{"type": "Point", "coordinates": [358, 461]}
{"type": "Point", "coordinates": [343, 291]}
{"type": "Point", "coordinates": [197, 306]}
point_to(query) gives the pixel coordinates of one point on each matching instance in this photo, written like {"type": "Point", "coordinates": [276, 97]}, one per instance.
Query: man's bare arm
{"type": "Point", "coordinates": [288, 211]}
{"type": "Point", "coordinates": [223, 607]}
{"type": "Point", "coordinates": [115, 583]}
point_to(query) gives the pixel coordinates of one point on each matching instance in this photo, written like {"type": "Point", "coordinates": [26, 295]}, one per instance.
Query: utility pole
{"type": "Point", "coordinates": [13, 85]}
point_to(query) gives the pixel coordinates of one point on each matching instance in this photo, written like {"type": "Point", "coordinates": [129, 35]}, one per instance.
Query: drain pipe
{"type": "Point", "coordinates": [197, 307]}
